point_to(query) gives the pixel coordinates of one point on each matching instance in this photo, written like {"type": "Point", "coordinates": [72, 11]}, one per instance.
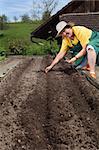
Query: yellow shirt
{"type": "Point", "coordinates": [81, 33]}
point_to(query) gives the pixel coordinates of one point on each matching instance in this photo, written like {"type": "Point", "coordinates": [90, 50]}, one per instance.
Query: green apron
{"type": "Point", "coordinates": [76, 49]}
{"type": "Point", "coordinates": [94, 41]}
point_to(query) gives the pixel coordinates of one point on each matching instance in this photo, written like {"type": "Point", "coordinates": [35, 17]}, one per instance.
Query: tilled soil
{"type": "Point", "coordinates": [9, 64]}
{"type": "Point", "coordinates": [54, 111]}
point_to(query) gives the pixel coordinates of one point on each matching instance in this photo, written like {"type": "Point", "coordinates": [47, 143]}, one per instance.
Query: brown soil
{"type": "Point", "coordinates": [54, 111]}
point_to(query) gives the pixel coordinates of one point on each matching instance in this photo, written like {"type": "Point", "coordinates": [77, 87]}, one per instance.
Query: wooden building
{"type": "Point", "coordinates": [81, 12]}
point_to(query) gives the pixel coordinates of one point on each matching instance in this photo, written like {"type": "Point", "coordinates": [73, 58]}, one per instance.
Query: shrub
{"type": "Point", "coordinates": [1, 34]}
{"type": "Point", "coordinates": [2, 51]}
{"type": "Point", "coordinates": [18, 47]}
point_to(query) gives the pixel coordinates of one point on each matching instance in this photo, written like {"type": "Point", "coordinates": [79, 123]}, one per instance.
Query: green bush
{"type": "Point", "coordinates": [1, 34]}
{"type": "Point", "coordinates": [2, 51]}
{"type": "Point", "coordinates": [2, 58]}
{"type": "Point", "coordinates": [18, 47]}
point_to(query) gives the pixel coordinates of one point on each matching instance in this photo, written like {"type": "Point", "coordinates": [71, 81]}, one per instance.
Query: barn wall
{"type": "Point", "coordinates": [75, 6]}
{"type": "Point", "coordinates": [90, 20]}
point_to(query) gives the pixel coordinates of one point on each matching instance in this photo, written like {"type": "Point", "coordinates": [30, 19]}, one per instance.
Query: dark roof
{"type": "Point", "coordinates": [43, 31]}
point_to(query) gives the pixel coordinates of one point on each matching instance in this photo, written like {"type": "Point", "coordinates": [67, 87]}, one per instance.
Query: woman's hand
{"type": "Point", "coordinates": [59, 56]}
{"type": "Point", "coordinates": [47, 69]}
{"type": "Point", "coordinates": [72, 60]}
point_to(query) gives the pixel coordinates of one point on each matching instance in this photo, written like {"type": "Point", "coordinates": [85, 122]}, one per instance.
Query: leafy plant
{"type": "Point", "coordinates": [18, 47]}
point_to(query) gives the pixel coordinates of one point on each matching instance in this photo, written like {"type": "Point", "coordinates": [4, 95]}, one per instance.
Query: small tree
{"type": "Point", "coordinates": [49, 7]}
{"type": "Point", "coordinates": [15, 19]}
{"type": "Point", "coordinates": [43, 9]}
{"type": "Point", "coordinates": [35, 12]}
{"type": "Point", "coordinates": [46, 15]}
{"type": "Point", "coordinates": [25, 18]}
{"type": "Point", "coordinates": [5, 18]}
{"type": "Point", "coordinates": [3, 21]}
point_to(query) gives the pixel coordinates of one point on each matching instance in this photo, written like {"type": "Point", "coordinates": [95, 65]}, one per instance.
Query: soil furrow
{"type": "Point", "coordinates": [54, 111]}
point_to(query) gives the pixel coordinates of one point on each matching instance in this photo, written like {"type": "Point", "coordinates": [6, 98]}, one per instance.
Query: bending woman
{"type": "Point", "coordinates": [73, 36]}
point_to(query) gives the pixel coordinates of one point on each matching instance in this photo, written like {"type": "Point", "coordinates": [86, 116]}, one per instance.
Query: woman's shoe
{"type": "Point", "coordinates": [93, 75]}
{"type": "Point", "coordinates": [86, 68]}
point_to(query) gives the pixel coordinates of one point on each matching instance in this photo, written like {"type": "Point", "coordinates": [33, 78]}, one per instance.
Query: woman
{"type": "Point", "coordinates": [73, 36]}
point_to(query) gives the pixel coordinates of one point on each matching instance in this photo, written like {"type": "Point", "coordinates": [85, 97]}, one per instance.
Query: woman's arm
{"type": "Point", "coordinates": [80, 54]}
{"type": "Point", "coordinates": [59, 56]}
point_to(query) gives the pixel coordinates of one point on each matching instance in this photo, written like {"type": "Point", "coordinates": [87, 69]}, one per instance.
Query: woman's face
{"type": "Point", "coordinates": [68, 32]}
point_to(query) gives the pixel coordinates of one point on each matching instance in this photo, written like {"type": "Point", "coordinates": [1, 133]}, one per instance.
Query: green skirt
{"type": "Point", "coordinates": [76, 49]}
{"type": "Point", "coordinates": [94, 41]}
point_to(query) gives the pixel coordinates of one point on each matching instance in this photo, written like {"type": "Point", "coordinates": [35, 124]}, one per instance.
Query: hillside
{"type": "Point", "coordinates": [17, 38]}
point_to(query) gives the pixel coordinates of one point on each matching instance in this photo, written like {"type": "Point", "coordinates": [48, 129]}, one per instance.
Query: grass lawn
{"type": "Point", "coordinates": [19, 34]}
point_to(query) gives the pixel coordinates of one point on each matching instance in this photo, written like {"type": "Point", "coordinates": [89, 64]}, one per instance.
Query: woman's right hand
{"type": "Point", "coordinates": [59, 56]}
{"type": "Point", "coordinates": [47, 69]}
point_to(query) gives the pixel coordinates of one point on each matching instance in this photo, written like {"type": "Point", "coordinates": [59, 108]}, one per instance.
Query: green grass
{"type": "Point", "coordinates": [19, 34]}
{"type": "Point", "coordinates": [2, 58]}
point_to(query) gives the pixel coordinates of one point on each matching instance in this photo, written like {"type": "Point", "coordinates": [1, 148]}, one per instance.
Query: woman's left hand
{"type": "Point", "coordinates": [72, 60]}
